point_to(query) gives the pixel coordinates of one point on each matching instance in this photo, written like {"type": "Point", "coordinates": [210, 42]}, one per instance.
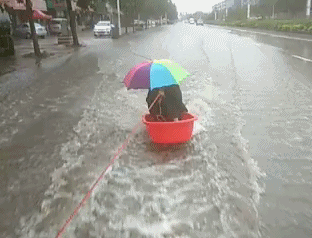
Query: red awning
{"type": "Point", "coordinates": [40, 15]}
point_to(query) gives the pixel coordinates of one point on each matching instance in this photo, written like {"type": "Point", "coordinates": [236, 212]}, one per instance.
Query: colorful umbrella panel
{"type": "Point", "coordinates": [155, 74]}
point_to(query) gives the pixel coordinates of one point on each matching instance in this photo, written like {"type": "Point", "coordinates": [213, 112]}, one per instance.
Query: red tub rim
{"type": "Point", "coordinates": [194, 118]}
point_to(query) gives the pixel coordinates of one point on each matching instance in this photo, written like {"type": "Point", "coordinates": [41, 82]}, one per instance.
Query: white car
{"type": "Point", "coordinates": [23, 30]}
{"type": "Point", "coordinates": [55, 25]}
{"type": "Point", "coordinates": [102, 28]}
{"type": "Point", "coordinates": [199, 22]}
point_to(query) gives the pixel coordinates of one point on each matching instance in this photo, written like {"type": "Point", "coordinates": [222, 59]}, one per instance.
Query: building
{"type": "Point", "coordinates": [252, 2]}
{"type": "Point", "coordinates": [229, 4]}
{"type": "Point", "coordinates": [219, 6]}
{"type": "Point", "coordinates": [233, 4]}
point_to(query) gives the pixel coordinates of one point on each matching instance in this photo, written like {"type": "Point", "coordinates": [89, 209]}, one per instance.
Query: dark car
{"type": "Point", "coordinates": [171, 22]}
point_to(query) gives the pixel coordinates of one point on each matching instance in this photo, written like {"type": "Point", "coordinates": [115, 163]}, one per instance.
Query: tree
{"type": "Point", "coordinates": [29, 13]}
{"type": "Point", "coordinates": [72, 22]}
{"type": "Point", "coordinates": [172, 11]}
{"type": "Point", "coordinates": [291, 6]}
{"type": "Point", "coordinates": [84, 4]}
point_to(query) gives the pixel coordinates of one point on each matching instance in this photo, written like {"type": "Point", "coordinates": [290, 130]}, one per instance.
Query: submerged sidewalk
{"type": "Point", "coordinates": [49, 47]}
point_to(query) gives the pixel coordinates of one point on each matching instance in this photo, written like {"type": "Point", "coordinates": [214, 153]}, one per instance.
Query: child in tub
{"type": "Point", "coordinates": [169, 106]}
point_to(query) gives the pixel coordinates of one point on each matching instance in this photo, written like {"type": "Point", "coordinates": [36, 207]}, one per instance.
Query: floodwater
{"type": "Point", "coordinates": [207, 188]}
{"type": "Point", "coordinates": [247, 173]}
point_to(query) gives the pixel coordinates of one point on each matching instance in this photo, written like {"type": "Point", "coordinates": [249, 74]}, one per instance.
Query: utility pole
{"type": "Point", "coordinates": [308, 9]}
{"type": "Point", "coordinates": [29, 12]}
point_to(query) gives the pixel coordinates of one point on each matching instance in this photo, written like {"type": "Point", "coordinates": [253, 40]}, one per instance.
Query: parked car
{"type": "Point", "coordinates": [199, 22]}
{"type": "Point", "coordinates": [153, 23]}
{"type": "Point", "coordinates": [6, 41]}
{"type": "Point", "coordinates": [23, 30]}
{"type": "Point", "coordinates": [55, 25]}
{"type": "Point", "coordinates": [102, 28]}
{"type": "Point", "coordinates": [171, 22]}
{"type": "Point", "coordinates": [191, 21]}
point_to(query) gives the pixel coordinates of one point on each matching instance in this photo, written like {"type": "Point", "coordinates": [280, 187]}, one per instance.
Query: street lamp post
{"type": "Point", "coordinates": [308, 13]}
{"type": "Point", "coordinates": [118, 12]}
{"type": "Point", "coordinates": [248, 10]}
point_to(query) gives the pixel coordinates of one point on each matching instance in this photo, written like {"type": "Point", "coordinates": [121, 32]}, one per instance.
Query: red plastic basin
{"type": "Point", "coordinates": [170, 132]}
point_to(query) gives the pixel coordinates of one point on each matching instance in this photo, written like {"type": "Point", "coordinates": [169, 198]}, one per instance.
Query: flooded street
{"type": "Point", "coordinates": [246, 174]}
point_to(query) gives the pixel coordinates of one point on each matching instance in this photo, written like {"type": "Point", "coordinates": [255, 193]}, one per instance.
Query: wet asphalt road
{"type": "Point", "coordinates": [248, 174]}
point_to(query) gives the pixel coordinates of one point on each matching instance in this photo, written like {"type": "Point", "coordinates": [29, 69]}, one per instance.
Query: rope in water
{"type": "Point", "coordinates": [104, 172]}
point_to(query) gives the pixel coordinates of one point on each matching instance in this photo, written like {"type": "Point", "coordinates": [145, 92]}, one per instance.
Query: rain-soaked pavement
{"type": "Point", "coordinates": [246, 174]}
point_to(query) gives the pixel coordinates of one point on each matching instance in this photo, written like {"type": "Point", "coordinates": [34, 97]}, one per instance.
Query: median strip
{"type": "Point", "coordinates": [273, 35]}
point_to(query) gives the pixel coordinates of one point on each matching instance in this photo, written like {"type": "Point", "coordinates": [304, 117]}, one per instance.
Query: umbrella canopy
{"type": "Point", "coordinates": [155, 74]}
{"type": "Point", "coordinates": [39, 15]}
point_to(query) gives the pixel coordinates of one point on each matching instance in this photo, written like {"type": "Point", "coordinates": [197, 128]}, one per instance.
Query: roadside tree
{"type": "Point", "coordinates": [72, 22]}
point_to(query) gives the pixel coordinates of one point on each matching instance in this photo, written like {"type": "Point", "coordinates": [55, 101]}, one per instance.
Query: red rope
{"type": "Point", "coordinates": [107, 169]}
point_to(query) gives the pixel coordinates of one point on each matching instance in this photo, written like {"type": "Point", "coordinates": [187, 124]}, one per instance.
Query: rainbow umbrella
{"type": "Point", "coordinates": [155, 74]}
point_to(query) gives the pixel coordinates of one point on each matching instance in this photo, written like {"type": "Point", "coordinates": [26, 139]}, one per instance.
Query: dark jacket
{"type": "Point", "coordinates": [170, 106]}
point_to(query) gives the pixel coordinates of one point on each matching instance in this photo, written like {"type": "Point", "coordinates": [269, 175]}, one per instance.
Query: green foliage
{"type": "Point", "coordinates": [84, 4]}
{"type": "Point", "coordinates": [147, 8]}
{"type": "Point", "coordinates": [285, 27]}
{"type": "Point", "coordinates": [278, 25]}
{"type": "Point", "coordinates": [298, 27]}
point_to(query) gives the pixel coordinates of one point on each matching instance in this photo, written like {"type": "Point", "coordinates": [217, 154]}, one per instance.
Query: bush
{"type": "Point", "coordinates": [298, 27]}
{"type": "Point", "coordinates": [237, 23]}
{"type": "Point", "coordinates": [308, 25]}
{"type": "Point", "coordinates": [286, 28]}
{"type": "Point", "coordinates": [278, 25]}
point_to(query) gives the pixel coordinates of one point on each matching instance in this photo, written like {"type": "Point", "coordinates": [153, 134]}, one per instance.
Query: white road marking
{"type": "Point", "coordinates": [299, 57]}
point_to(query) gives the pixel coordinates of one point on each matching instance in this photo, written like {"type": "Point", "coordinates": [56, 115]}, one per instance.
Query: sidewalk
{"type": "Point", "coordinates": [48, 46]}
{"type": "Point", "coordinates": [24, 50]}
